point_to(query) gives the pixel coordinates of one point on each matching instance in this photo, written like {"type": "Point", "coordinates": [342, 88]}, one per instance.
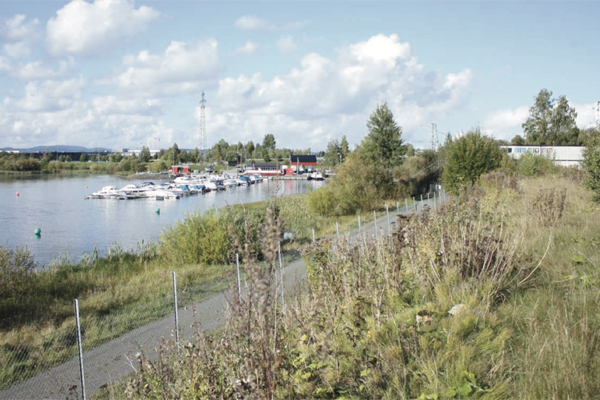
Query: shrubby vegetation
{"type": "Point", "coordinates": [476, 300]}
{"type": "Point", "coordinates": [591, 164]}
{"type": "Point", "coordinates": [365, 178]}
{"type": "Point", "coordinates": [468, 157]}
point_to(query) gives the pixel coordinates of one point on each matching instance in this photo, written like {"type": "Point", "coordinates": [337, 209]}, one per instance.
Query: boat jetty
{"type": "Point", "coordinates": [179, 187]}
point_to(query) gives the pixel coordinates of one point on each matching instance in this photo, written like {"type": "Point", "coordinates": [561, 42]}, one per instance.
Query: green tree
{"type": "Point", "coordinates": [345, 148]}
{"type": "Point", "coordinates": [82, 158]}
{"type": "Point", "coordinates": [591, 164]}
{"type": "Point", "coordinates": [383, 145]}
{"type": "Point", "coordinates": [468, 157]}
{"type": "Point", "coordinates": [269, 142]}
{"type": "Point", "coordinates": [517, 141]}
{"type": "Point", "coordinates": [334, 150]}
{"type": "Point", "coordinates": [249, 148]}
{"type": "Point", "coordinates": [551, 123]}
{"type": "Point", "coordinates": [145, 154]}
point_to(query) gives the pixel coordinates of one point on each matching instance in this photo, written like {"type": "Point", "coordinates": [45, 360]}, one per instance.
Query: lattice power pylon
{"type": "Point", "coordinates": [203, 138]}
{"type": "Point", "coordinates": [435, 144]}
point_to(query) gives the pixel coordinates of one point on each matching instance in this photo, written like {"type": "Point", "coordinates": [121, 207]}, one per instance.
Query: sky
{"type": "Point", "coordinates": [124, 73]}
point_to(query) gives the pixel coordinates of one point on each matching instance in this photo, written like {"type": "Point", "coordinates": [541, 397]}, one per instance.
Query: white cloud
{"type": "Point", "coordinates": [103, 121]}
{"type": "Point", "coordinates": [330, 97]}
{"type": "Point", "coordinates": [252, 23]}
{"type": "Point", "coordinates": [182, 68]}
{"type": "Point", "coordinates": [36, 70]}
{"type": "Point", "coordinates": [18, 35]}
{"type": "Point", "coordinates": [16, 29]}
{"type": "Point", "coordinates": [49, 95]}
{"type": "Point", "coordinates": [586, 115]}
{"type": "Point", "coordinates": [248, 49]}
{"type": "Point", "coordinates": [286, 44]}
{"type": "Point", "coordinates": [90, 28]}
{"type": "Point", "coordinates": [319, 99]}
{"type": "Point", "coordinates": [17, 50]}
{"type": "Point", "coordinates": [505, 124]}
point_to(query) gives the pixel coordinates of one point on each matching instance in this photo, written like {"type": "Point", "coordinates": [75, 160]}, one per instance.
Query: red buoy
{"type": "Point", "coordinates": [18, 194]}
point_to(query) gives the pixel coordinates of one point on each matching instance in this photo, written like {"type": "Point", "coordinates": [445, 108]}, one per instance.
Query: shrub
{"type": "Point", "coordinates": [534, 165]}
{"type": "Point", "coordinates": [591, 164]}
{"type": "Point", "coordinates": [17, 272]}
{"type": "Point", "coordinates": [198, 239]}
{"type": "Point", "coordinates": [356, 187]}
{"type": "Point", "coordinates": [468, 157]}
{"type": "Point", "coordinates": [322, 201]}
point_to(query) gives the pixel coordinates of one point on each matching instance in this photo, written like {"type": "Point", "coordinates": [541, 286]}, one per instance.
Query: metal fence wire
{"type": "Point", "coordinates": [44, 363]}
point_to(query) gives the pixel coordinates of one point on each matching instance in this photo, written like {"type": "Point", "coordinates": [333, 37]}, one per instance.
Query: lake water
{"type": "Point", "coordinates": [73, 226]}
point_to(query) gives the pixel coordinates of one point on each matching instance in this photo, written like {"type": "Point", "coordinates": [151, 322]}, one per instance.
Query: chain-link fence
{"type": "Point", "coordinates": [45, 363]}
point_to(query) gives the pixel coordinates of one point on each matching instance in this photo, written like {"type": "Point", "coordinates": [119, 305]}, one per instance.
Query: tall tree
{"type": "Point", "coordinates": [344, 147]}
{"type": "Point", "coordinates": [551, 123]}
{"type": "Point", "coordinates": [249, 148]}
{"type": "Point", "coordinates": [145, 154]}
{"type": "Point", "coordinates": [334, 150]}
{"type": "Point", "coordinates": [383, 145]}
{"type": "Point", "coordinates": [269, 142]}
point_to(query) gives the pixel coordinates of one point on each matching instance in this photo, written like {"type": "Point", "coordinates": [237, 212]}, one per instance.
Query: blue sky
{"type": "Point", "coordinates": [119, 73]}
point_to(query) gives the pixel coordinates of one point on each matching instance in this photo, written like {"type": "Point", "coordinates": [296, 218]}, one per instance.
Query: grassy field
{"type": "Point", "coordinates": [496, 295]}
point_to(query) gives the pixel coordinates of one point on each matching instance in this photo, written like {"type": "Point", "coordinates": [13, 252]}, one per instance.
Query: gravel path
{"type": "Point", "coordinates": [115, 359]}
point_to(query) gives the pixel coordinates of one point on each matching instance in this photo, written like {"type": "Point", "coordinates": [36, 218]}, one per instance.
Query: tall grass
{"type": "Point", "coordinates": [476, 300]}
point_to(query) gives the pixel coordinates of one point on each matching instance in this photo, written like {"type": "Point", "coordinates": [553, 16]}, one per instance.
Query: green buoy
{"type": "Point", "coordinates": [158, 210]}
{"type": "Point", "coordinates": [37, 231]}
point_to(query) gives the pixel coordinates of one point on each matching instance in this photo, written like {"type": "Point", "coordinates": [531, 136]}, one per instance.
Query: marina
{"type": "Point", "coordinates": [71, 225]}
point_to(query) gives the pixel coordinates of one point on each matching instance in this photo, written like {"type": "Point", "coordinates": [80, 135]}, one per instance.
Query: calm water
{"type": "Point", "coordinates": [72, 225]}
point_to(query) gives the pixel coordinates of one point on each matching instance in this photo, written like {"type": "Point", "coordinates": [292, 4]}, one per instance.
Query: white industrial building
{"type": "Point", "coordinates": [565, 156]}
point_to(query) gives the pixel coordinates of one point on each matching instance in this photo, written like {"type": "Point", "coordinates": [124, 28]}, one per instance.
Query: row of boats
{"type": "Point", "coordinates": [181, 186]}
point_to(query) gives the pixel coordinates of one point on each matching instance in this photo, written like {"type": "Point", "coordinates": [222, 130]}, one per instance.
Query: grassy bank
{"type": "Point", "coordinates": [125, 290]}
{"type": "Point", "coordinates": [496, 295]}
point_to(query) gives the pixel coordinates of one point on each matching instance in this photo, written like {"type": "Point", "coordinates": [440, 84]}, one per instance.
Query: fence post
{"type": "Point", "coordinates": [387, 213]}
{"type": "Point", "coordinates": [80, 347]}
{"type": "Point", "coordinates": [397, 206]}
{"type": "Point", "coordinates": [421, 196]}
{"type": "Point", "coordinates": [405, 204]}
{"type": "Point", "coordinates": [375, 221]}
{"type": "Point", "coordinates": [313, 234]}
{"type": "Point", "coordinates": [359, 222]}
{"type": "Point", "coordinates": [237, 263]}
{"type": "Point", "coordinates": [176, 311]}
{"type": "Point", "coordinates": [281, 277]}
{"type": "Point", "coordinates": [414, 204]}
{"type": "Point", "coordinates": [337, 229]}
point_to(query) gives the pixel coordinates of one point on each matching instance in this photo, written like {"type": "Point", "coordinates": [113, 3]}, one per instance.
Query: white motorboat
{"type": "Point", "coordinates": [162, 194]}
{"type": "Point", "coordinates": [107, 192]}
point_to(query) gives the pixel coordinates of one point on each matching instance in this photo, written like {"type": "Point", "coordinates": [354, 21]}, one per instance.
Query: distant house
{"type": "Point", "coordinates": [180, 169]}
{"type": "Point", "coordinates": [565, 156]}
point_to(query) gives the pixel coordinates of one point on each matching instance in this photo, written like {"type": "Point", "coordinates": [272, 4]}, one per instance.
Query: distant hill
{"type": "Point", "coordinates": [57, 148]}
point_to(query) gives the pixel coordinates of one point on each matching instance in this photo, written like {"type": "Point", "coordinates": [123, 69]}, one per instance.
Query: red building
{"type": "Point", "coordinates": [181, 169]}
{"type": "Point", "coordinates": [305, 161]}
